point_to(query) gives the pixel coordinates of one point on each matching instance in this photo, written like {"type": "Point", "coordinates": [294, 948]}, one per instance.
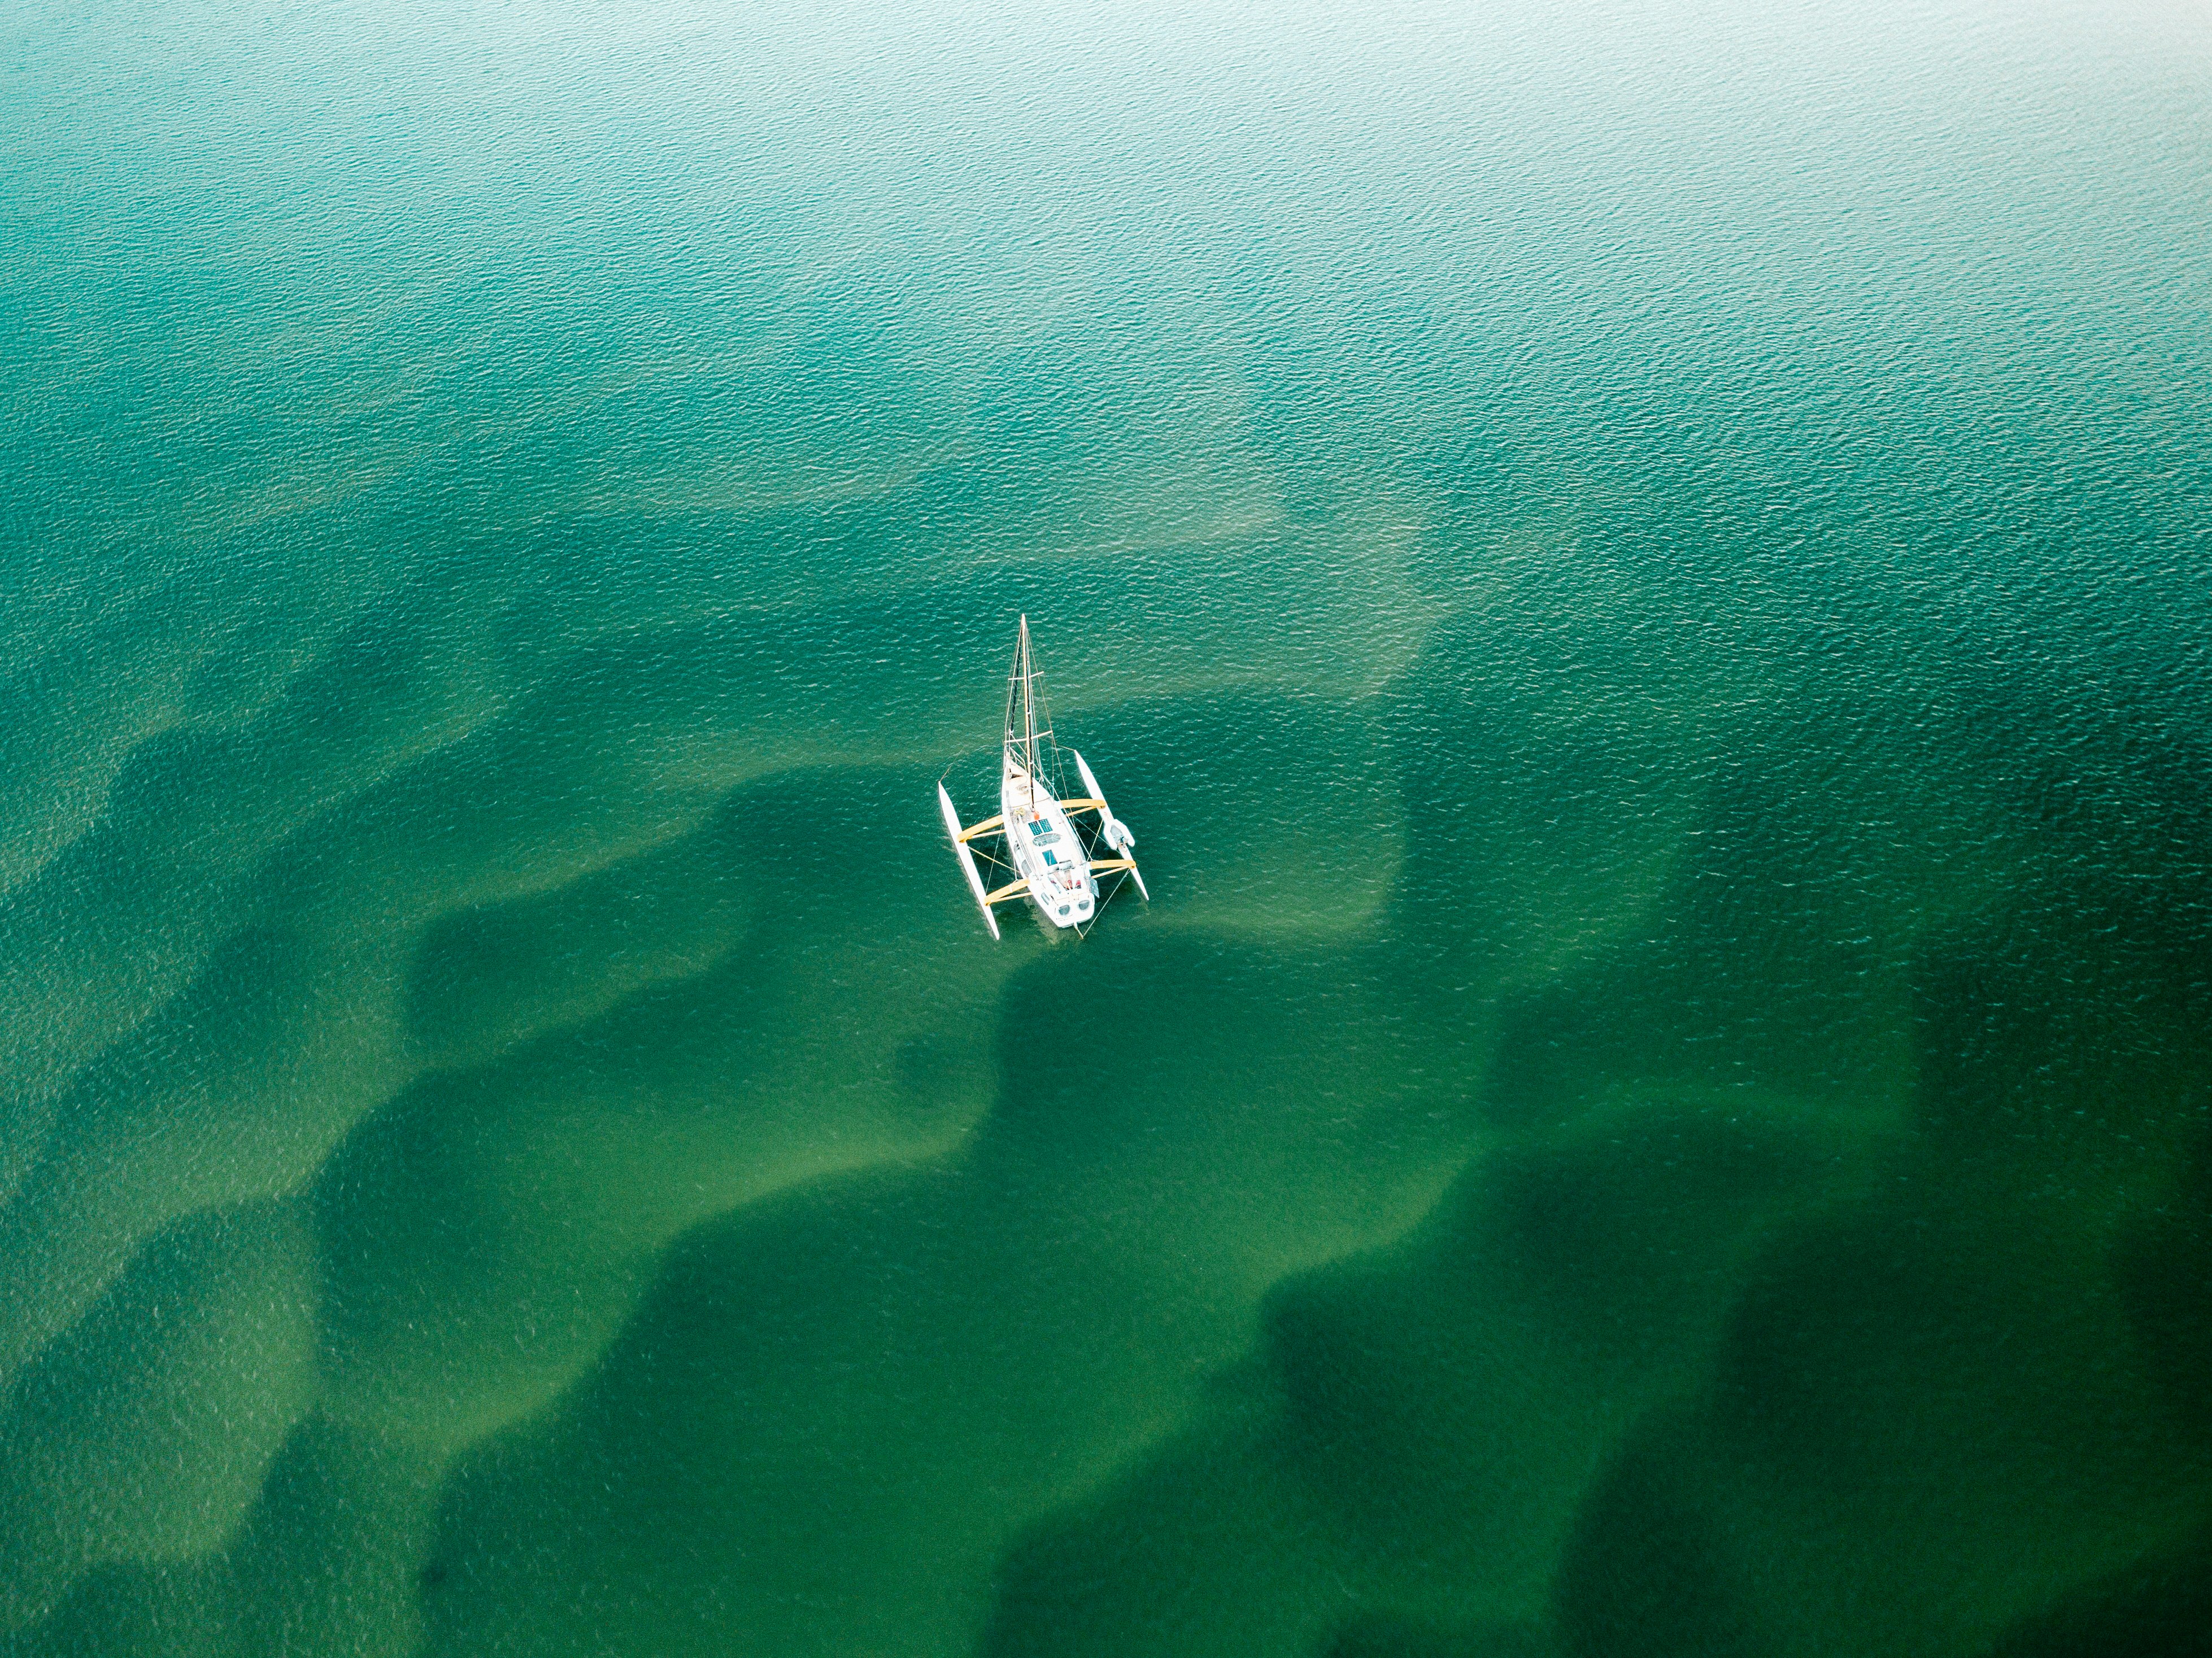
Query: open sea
{"type": "Point", "coordinates": [1642, 570]}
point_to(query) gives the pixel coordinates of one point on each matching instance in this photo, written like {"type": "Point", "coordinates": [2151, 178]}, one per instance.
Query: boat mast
{"type": "Point", "coordinates": [1029, 698]}
{"type": "Point", "coordinates": [1022, 751]}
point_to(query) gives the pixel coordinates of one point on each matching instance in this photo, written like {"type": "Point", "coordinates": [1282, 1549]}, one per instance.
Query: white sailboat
{"type": "Point", "coordinates": [1056, 861]}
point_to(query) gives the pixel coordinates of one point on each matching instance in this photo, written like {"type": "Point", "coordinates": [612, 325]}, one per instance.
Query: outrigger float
{"type": "Point", "coordinates": [1056, 863]}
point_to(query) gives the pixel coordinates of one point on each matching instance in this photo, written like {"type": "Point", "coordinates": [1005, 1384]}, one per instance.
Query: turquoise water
{"type": "Point", "coordinates": [1639, 572]}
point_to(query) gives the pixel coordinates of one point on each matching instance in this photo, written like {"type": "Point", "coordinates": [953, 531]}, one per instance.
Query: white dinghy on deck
{"type": "Point", "coordinates": [1055, 867]}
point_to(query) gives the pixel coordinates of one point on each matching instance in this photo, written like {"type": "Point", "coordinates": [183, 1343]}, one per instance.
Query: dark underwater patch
{"type": "Point", "coordinates": [1644, 1574]}
{"type": "Point", "coordinates": [2158, 1608]}
{"type": "Point", "coordinates": [1387, 1637]}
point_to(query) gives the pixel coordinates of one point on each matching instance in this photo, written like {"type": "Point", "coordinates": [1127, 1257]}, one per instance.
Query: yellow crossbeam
{"type": "Point", "coordinates": [983, 828]}
{"type": "Point", "coordinates": [1012, 889]}
{"type": "Point", "coordinates": [1081, 805]}
{"type": "Point", "coordinates": [1110, 864]}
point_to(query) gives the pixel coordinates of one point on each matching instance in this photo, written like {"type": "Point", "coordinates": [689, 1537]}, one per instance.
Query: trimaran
{"type": "Point", "coordinates": [1055, 863]}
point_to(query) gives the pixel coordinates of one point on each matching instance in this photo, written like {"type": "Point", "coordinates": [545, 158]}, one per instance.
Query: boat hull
{"type": "Point", "coordinates": [1045, 851]}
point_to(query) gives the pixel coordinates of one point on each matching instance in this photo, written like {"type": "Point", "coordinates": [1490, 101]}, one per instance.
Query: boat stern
{"type": "Point", "coordinates": [1071, 904]}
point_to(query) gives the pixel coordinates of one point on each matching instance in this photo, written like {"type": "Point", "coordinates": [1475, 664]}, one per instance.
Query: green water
{"type": "Point", "coordinates": [1640, 573]}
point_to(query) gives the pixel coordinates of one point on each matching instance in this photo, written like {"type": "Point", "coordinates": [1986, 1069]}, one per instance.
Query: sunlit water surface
{"type": "Point", "coordinates": [1639, 570]}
